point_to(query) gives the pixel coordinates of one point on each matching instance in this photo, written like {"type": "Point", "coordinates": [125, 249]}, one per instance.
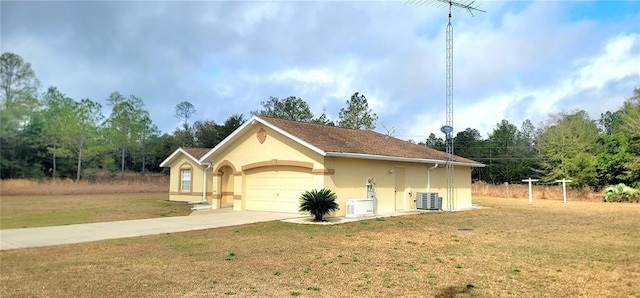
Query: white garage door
{"type": "Point", "coordinates": [276, 188]}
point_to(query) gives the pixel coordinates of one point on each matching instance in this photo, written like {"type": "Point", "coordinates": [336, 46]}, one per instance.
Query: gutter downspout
{"type": "Point", "coordinates": [429, 177]}
{"type": "Point", "coordinates": [204, 181]}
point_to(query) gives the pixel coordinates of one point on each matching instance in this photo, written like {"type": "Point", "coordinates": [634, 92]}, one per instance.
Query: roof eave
{"type": "Point", "coordinates": [401, 159]}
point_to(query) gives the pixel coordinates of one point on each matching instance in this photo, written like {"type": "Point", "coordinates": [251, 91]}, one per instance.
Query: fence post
{"type": "Point", "coordinates": [507, 185]}
{"type": "Point", "coordinates": [564, 188]}
{"type": "Point", "coordinates": [530, 192]}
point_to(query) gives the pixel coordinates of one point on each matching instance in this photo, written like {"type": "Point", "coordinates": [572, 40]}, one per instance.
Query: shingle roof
{"type": "Point", "coordinates": [344, 140]}
{"type": "Point", "coordinates": [197, 153]}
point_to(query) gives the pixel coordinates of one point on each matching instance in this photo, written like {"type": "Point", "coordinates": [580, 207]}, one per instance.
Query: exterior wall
{"type": "Point", "coordinates": [175, 194]}
{"type": "Point", "coordinates": [247, 150]}
{"type": "Point", "coordinates": [247, 153]}
{"type": "Point", "coordinates": [461, 186]}
{"type": "Point", "coordinates": [349, 182]}
{"type": "Point", "coordinates": [351, 175]}
{"type": "Point", "coordinates": [462, 183]}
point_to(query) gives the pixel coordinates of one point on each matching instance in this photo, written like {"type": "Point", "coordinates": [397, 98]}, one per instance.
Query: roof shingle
{"type": "Point", "coordinates": [345, 140]}
{"type": "Point", "coordinates": [197, 153]}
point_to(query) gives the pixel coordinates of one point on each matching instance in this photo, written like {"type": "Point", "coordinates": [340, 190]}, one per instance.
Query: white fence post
{"type": "Point", "coordinates": [564, 188]}
{"type": "Point", "coordinates": [530, 192]}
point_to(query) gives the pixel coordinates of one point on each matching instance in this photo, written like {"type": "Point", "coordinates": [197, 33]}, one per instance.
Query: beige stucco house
{"type": "Point", "coordinates": [267, 163]}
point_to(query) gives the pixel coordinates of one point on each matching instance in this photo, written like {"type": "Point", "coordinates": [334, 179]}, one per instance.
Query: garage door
{"type": "Point", "coordinates": [276, 188]}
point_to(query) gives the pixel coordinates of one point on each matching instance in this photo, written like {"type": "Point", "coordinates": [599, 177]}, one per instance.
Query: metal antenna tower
{"type": "Point", "coordinates": [447, 129]}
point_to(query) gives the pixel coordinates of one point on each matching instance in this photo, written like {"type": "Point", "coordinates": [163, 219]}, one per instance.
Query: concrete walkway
{"type": "Point", "coordinates": [199, 220]}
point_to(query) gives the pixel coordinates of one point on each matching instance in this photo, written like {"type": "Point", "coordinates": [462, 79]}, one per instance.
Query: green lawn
{"type": "Point", "coordinates": [582, 249]}
{"type": "Point", "coordinates": [49, 210]}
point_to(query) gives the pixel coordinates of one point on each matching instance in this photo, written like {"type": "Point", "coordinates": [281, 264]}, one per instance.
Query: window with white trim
{"type": "Point", "coordinates": [185, 179]}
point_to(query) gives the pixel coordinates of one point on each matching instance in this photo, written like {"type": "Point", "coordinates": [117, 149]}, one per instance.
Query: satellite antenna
{"type": "Point", "coordinates": [447, 129]}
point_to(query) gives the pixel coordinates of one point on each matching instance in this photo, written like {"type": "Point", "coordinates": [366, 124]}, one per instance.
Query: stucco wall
{"type": "Point", "coordinates": [196, 180]}
{"type": "Point", "coordinates": [247, 152]}
{"type": "Point", "coordinates": [462, 186]}
{"type": "Point", "coordinates": [351, 176]}
{"type": "Point", "coordinates": [247, 149]}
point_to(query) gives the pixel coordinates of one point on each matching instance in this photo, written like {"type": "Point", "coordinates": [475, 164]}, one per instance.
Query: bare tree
{"type": "Point", "coordinates": [184, 111]}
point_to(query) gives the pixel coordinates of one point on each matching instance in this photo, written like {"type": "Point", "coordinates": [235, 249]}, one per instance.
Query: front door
{"type": "Point", "coordinates": [400, 202]}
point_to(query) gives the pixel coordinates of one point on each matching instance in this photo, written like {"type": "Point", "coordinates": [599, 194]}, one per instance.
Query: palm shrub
{"type": "Point", "coordinates": [620, 193]}
{"type": "Point", "coordinates": [318, 203]}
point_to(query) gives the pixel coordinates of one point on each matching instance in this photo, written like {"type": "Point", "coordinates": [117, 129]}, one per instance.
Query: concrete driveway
{"type": "Point", "coordinates": [199, 220]}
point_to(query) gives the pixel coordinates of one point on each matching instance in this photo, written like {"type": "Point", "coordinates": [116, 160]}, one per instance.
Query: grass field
{"type": "Point", "coordinates": [582, 249]}
{"type": "Point", "coordinates": [21, 211]}
{"type": "Point", "coordinates": [132, 183]}
{"type": "Point", "coordinates": [539, 191]}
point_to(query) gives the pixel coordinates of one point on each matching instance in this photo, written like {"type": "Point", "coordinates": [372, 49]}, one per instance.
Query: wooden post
{"type": "Point", "coordinates": [530, 192]}
{"type": "Point", "coordinates": [564, 188]}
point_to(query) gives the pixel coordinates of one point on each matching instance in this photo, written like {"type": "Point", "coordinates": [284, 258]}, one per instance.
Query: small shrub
{"type": "Point", "coordinates": [621, 193]}
{"type": "Point", "coordinates": [318, 203]}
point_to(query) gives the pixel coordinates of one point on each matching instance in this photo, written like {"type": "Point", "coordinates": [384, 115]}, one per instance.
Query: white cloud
{"type": "Point", "coordinates": [519, 60]}
{"type": "Point", "coordinates": [621, 58]}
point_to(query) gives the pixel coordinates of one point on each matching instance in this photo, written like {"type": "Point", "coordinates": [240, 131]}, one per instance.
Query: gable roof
{"type": "Point", "coordinates": [345, 142]}
{"type": "Point", "coordinates": [194, 154]}
{"type": "Point", "coordinates": [340, 141]}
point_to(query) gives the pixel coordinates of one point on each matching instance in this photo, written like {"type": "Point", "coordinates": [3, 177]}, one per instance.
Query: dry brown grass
{"type": "Point", "coordinates": [132, 183]}
{"type": "Point", "coordinates": [37, 211]}
{"type": "Point", "coordinates": [582, 249]}
{"type": "Point", "coordinates": [545, 192]}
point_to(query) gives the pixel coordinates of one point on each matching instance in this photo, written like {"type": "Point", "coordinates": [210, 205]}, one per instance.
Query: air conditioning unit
{"type": "Point", "coordinates": [428, 201]}
{"type": "Point", "coordinates": [359, 207]}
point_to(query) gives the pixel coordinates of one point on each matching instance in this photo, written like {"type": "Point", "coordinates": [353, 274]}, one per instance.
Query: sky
{"type": "Point", "coordinates": [518, 60]}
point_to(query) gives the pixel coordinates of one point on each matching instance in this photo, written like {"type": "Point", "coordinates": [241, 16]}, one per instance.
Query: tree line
{"type": "Point", "coordinates": [207, 134]}
{"type": "Point", "coordinates": [52, 135]}
{"type": "Point", "coordinates": [592, 153]}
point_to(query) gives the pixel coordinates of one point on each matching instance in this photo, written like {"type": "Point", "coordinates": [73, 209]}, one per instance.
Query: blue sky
{"type": "Point", "coordinates": [519, 60]}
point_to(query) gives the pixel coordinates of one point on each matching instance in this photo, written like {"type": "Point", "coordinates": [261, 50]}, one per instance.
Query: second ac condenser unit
{"type": "Point", "coordinates": [428, 201]}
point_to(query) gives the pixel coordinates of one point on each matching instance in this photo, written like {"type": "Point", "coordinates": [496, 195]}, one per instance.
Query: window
{"type": "Point", "coordinates": [185, 180]}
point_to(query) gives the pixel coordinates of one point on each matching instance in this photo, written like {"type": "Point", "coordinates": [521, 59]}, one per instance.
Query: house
{"type": "Point", "coordinates": [267, 163]}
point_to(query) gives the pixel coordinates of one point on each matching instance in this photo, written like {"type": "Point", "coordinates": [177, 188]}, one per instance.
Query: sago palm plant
{"type": "Point", "coordinates": [318, 203]}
